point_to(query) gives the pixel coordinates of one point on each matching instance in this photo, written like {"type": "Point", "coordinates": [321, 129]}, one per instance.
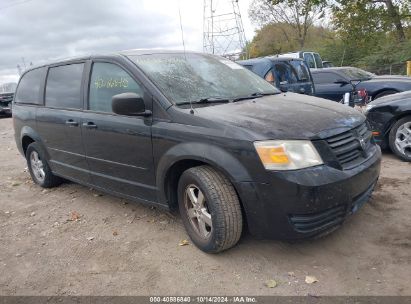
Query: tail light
{"type": "Point", "coordinates": [362, 93]}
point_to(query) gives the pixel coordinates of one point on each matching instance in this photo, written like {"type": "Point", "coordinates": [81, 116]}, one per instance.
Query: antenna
{"type": "Point", "coordinates": [223, 32]}
{"type": "Point", "coordinates": [181, 28]}
{"type": "Point", "coordinates": [184, 47]}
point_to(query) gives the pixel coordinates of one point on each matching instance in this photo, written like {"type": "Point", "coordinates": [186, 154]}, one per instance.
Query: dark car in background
{"type": "Point", "coordinates": [287, 74]}
{"type": "Point", "coordinates": [390, 120]}
{"type": "Point", "coordinates": [333, 83]}
{"type": "Point", "coordinates": [198, 133]}
{"type": "Point", "coordinates": [6, 103]}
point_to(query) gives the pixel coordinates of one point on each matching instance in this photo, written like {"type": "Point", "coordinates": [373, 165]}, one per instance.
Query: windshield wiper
{"type": "Point", "coordinates": [206, 100]}
{"type": "Point", "coordinates": [253, 95]}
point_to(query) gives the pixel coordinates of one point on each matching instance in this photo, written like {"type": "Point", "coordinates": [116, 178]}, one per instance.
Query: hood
{"type": "Point", "coordinates": [285, 116]}
{"type": "Point", "coordinates": [389, 99]}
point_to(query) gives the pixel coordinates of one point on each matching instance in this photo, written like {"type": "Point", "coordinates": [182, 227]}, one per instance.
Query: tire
{"type": "Point", "coordinates": [400, 138]}
{"type": "Point", "coordinates": [385, 93]}
{"type": "Point", "coordinates": [39, 169]}
{"type": "Point", "coordinates": [219, 207]}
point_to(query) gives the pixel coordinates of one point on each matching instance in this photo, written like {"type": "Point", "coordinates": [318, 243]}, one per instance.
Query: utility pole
{"type": "Point", "coordinates": [223, 32]}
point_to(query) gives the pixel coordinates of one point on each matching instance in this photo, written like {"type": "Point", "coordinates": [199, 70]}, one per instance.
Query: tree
{"type": "Point", "coordinates": [297, 15]}
{"type": "Point", "coordinates": [364, 18]}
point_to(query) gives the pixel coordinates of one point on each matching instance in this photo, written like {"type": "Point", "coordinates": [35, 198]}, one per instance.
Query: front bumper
{"type": "Point", "coordinates": [308, 202]}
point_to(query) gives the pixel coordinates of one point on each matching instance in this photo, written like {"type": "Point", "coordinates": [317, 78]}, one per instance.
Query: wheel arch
{"type": "Point", "coordinates": [394, 120]}
{"type": "Point", "coordinates": [382, 90]}
{"type": "Point", "coordinates": [28, 136]}
{"type": "Point", "coordinates": [188, 155]}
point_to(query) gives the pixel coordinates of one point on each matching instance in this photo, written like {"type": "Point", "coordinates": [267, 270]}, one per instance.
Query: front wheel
{"type": "Point", "coordinates": [400, 138]}
{"type": "Point", "coordinates": [210, 209]}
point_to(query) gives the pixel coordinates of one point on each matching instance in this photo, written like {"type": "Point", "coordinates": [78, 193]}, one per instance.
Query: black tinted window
{"type": "Point", "coordinates": [63, 89]}
{"type": "Point", "coordinates": [29, 87]}
{"type": "Point", "coordinates": [107, 80]}
{"type": "Point", "coordinates": [321, 78]}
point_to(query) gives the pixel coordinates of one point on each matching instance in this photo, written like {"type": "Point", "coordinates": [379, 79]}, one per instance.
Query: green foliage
{"type": "Point", "coordinates": [373, 34]}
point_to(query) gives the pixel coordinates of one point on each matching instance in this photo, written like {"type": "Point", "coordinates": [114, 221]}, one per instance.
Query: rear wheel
{"type": "Point", "coordinates": [400, 138]}
{"type": "Point", "coordinates": [210, 209]}
{"type": "Point", "coordinates": [38, 167]}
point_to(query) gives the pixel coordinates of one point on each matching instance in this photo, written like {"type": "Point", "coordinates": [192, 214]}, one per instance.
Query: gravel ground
{"type": "Point", "coordinates": [72, 240]}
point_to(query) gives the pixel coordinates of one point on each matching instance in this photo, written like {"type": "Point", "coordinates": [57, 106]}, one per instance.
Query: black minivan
{"type": "Point", "coordinates": [199, 133]}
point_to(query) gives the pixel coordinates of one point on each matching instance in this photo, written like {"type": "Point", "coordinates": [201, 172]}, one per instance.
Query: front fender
{"type": "Point", "coordinates": [210, 154]}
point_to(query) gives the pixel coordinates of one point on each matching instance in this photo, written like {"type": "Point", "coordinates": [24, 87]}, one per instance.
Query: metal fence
{"type": "Point", "coordinates": [389, 69]}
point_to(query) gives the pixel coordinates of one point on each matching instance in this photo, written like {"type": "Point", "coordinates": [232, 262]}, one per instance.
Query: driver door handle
{"type": "Point", "coordinates": [89, 125]}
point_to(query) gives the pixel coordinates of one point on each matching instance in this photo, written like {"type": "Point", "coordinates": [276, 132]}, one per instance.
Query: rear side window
{"type": "Point", "coordinates": [309, 58]}
{"type": "Point", "coordinates": [107, 80]}
{"type": "Point", "coordinates": [29, 87]}
{"type": "Point", "coordinates": [63, 87]}
{"type": "Point", "coordinates": [318, 61]}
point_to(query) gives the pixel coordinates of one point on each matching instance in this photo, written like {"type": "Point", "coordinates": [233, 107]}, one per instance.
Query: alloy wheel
{"type": "Point", "coordinates": [403, 139]}
{"type": "Point", "coordinates": [37, 166]}
{"type": "Point", "coordinates": [197, 211]}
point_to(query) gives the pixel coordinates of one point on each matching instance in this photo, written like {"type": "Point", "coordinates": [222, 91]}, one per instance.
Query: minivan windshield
{"type": "Point", "coordinates": [195, 77]}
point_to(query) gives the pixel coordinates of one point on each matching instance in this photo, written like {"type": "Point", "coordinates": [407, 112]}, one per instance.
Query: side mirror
{"type": "Point", "coordinates": [130, 104]}
{"type": "Point", "coordinates": [341, 82]}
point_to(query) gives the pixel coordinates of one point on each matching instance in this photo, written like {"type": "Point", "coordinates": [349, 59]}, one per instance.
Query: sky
{"type": "Point", "coordinates": [44, 30]}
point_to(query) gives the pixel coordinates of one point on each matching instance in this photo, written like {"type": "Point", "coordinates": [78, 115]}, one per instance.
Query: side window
{"type": "Point", "coordinates": [309, 58]}
{"type": "Point", "coordinates": [281, 72]}
{"type": "Point", "coordinates": [107, 80]}
{"type": "Point", "coordinates": [29, 87]}
{"type": "Point", "coordinates": [324, 78]}
{"type": "Point", "coordinates": [63, 87]}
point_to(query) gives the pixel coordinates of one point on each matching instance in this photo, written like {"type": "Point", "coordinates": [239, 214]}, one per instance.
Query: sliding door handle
{"type": "Point", "coordinates": [71, 123]}
{"type": "Point", "coordinates": [89, 125]}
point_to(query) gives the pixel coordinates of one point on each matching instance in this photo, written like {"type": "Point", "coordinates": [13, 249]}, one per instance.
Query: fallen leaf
{"type": "Point", "coordinates": [310, 279]}
{"type": "Point", "coordinates": [15, 184]}
{"type": "Point", "coordinates": [74, 216]}
{"type": "Point", "coordinates": [183, 243]}
{"type": "Point", "coordinates": [271, 283]}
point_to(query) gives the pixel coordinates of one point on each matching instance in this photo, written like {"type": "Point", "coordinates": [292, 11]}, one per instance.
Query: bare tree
{"type": "Point", "coordinates": [300, 15]}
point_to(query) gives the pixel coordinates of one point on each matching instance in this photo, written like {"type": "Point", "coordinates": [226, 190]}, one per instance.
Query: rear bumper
{"type": "Point", "coordinates": [5, 110]}
{"type": "Point", "coordinates": [309, 202]}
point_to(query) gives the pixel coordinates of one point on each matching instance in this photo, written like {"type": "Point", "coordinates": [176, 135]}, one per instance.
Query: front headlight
{"type": "Point", "coordinates": [287, 154]}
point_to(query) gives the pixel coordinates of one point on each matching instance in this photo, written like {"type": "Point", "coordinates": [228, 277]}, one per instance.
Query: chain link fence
{"type": "Point", "coordinates": [389, 69]}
